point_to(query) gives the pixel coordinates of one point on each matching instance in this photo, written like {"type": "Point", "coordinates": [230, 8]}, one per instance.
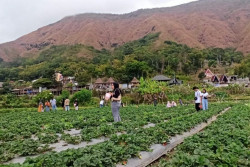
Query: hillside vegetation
{"type": "Point", "coordinates": [139, 58]}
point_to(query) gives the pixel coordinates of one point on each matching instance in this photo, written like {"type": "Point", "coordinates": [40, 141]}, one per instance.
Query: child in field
{"type": "Point", "coordinates": [76, 105]}
{"type": "Point", "coordinates": [102, 103]}
{"type": "Point", "coordinates": [174, 104]}
{"type": "Point", "coordinates": [169, 104]}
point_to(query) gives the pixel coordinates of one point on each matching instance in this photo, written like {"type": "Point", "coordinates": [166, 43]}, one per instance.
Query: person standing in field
{"type": "Point", "coordinates": [116, 102]}
{"type": "Point", "coordinates": [197, 98]}
{"type": "Point", "coordinates": [155, 101]}
{"type": "Point", "coordinates": [47, 106]}
{"type": "Point", "coordinates": [204, 95]}
{"type": "Point", "coordinates": [66, 104]}
{"type": "Point", "coordinates": [102, 103]}
{"type": "Point", "coordinates": [40, 106]}
{"type": "Point", "coordinates": [76, 104]}
{"type": "Point", "coordinates": [53, 104]}
{"type": "Point", "coordinates": [63, 100]}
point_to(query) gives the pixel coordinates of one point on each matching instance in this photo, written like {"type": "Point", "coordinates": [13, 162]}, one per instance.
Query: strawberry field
{"type": "Point", "coordinates": [226, 142]}
{"type": "Point", "coordinates": [24, 132]}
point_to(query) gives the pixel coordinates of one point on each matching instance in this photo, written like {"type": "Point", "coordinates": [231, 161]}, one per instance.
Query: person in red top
{"type": "Point", "coordinates": [47, 106]}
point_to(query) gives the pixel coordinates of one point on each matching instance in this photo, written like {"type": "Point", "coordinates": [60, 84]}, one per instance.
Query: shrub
{"type": "Point", "coordinates": [127, 99]}
{"type": "Point", "coordinates": [95, 101]}
{"type": "Point", "coordinates": [83, 96]}
{"type": "Point", "coordinates": [65, 94]}
{"type": "Point", "coordinates": [45, 95]}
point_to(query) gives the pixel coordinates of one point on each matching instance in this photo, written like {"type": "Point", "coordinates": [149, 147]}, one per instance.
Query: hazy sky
{"type": "Point", "coordinates": [19, 17]}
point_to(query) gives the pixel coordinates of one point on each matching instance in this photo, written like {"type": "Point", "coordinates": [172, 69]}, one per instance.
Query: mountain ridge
{"type": "Point", "coordinates": [202, 24]}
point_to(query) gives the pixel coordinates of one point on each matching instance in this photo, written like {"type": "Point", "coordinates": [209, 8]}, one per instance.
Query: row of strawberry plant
{"type": "Point", "coordinates": [16, 128]}
{"type": "Point", "coordinates": [119, 148]}
{"type": "Point", "coordinates": [224, 143]}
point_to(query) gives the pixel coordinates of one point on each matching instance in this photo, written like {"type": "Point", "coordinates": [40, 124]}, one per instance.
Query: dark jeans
{"type": "Point", "coordinates": [197, 106]}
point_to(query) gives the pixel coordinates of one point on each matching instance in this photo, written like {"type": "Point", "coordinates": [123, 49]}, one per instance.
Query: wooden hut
{"type": "Point", "coordinates": [135, 82]}
{"type": "Point", "coordinates": [223, 79]}
{"type": "Point", "coordinates": [110, 81]}
{"type": "Point", "coordinates": [215, 79]}
{"type": "Point", "coordinates": [99, 83]}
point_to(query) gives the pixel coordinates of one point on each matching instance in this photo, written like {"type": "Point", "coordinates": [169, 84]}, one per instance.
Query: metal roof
{"type": "Point", "coordinates": [161, 78]}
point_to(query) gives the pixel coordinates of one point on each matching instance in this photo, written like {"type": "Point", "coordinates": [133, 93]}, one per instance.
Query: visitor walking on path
{"type": "Point", "coordinates": [204, 95]}
{"type": "Point", "coordinates": [76, 105]}
{"type": "Point", "coordinates": [47, 106]}
{"type": "Point", "coordinates": [116, 102]}
{"type": "Point", "coordinates": [53, 104]}
{"type": "Point", "coordinates": [197, 98]}
{"type": "Point", "coordinates": [66, 104]}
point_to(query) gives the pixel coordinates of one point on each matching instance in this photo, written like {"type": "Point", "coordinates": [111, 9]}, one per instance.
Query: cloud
{"type": "Point", "coordinates": [19, 17]}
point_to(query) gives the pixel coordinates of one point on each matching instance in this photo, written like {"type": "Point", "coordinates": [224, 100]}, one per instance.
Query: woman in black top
{"type": "Point", "coordinates": [116, 102]}
{"type": "Point", "coordinates": [63, 100]}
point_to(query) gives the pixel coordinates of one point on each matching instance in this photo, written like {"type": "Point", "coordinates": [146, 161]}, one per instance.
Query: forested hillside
{"type": "Point", "coordinates": [138, 58]}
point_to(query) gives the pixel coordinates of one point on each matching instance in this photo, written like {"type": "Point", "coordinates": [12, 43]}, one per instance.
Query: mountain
{"type": "Point", "coordinates": [204, 23]}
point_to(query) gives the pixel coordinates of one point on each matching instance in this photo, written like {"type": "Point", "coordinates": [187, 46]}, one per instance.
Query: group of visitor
{"type": "Point", "coordinates": [48, 105]}
{"type": "Point", "coordinates": [51, 105]}
{"type": "Point", "coordinates": [201, 99]}
{"type": "Point", "coordinates": [201, 102]}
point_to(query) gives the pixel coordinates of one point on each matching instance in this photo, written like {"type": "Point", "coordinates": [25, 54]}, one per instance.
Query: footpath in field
{"type": "Point", "coordinates": [121, 147]}
{"type": "Point", "coordinates": [223, 143]}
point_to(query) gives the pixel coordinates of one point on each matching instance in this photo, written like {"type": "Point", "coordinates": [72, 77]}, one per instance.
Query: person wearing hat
{"type": "Point", "coordinates": [197, 98]}
{"type": "Point", "coordinates": [116, 102]}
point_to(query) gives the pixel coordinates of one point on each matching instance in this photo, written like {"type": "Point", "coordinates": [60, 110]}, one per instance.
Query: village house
{"type": "Point", "coordinates": [161, 78]}
{"type": "Point", "coordinates": [223, 80]}
{"type": "Point", "coordinates": [175, 81]}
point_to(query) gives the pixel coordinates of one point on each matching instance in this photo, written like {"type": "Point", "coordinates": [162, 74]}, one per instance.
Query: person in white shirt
{"type": "Point", "coordinates": [197, 98]}
{"type": "Point", "coordinates": [101, 103]}
{"type": "Point", "coordinates": [53, 104]}
{"type": "Point", "coordinates": [204, 96]}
